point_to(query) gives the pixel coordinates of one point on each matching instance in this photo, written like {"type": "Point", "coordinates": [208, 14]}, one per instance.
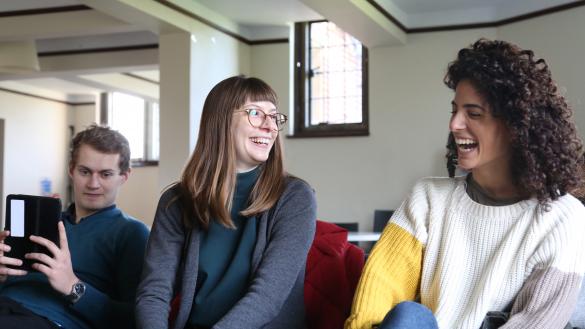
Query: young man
{"type": "Point", "coordinates": [90, 281]}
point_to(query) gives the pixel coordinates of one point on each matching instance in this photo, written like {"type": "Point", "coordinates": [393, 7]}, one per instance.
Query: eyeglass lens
{"type": "Point", "coordinates": [257, 118]}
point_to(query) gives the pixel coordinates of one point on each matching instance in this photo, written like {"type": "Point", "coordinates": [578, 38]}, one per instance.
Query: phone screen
{"type": "Point", "coordinates": [17, 218]}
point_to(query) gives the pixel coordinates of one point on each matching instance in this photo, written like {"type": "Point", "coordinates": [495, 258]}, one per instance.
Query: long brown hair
{"type": "Point", "coordinates": [208, 181]}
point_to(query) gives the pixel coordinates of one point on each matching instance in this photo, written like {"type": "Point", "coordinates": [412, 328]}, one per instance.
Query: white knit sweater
{"type": "Point", "coordinates": [474, 259]}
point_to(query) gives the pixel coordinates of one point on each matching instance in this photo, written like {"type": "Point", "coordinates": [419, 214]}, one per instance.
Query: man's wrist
{"type": "Point", "coordinates": [77, 291]}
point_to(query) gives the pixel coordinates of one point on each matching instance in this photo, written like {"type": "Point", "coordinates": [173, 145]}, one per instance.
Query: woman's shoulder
{"type": "Point", "coordinates": [569, 209]}
{"type": "Point", "coordinates": [170, 192]}
{"type": "Point", "coordinates": [298, 190]}
{"type": "Point", "coordinates": [294, 183]}
{"type": "Point", "coordinates": [171, 197]}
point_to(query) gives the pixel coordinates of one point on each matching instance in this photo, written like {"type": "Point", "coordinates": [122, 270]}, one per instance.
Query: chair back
{"type": "Point", "coordinates": [350, 227]}
{"type": "Point", "coordinates": [381, 218]}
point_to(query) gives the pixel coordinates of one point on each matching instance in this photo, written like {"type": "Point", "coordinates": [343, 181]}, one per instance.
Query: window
{"type": "Point", "coordinates": [138, 120]}
{"type": "Point", "coordinates": [331, 74]}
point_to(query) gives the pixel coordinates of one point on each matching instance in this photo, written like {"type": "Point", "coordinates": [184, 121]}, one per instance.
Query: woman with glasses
{"type": "Point", "coordinates": [503, 246]}
{"type": "Point", "coordinates": [229, 241]}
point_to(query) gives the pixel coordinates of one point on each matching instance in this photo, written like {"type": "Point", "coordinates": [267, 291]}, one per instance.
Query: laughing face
{"type": "Point", "coordinates": [253, 144]}
{"type": "Point", "coordinates": [482, 140]}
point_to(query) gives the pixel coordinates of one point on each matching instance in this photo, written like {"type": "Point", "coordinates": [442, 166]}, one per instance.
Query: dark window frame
{"type": "Point", "coordinates": [301, 93]}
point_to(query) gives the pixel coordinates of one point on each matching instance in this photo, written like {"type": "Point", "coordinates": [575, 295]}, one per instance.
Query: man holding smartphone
{"type": "Point", "coordinates": [89, 280]}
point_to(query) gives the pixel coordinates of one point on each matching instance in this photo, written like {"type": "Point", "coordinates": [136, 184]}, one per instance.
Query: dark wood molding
{"type": "Point", "coordinates": [325, 133]}
{"type": "Point", "coordinates": [143, 163]}
{"type": "Point", "coordinates": [21, 93]}
{"type": "Point", "coordinates": [96, 50]}
{"type": "Point", "coordinates": [140, 78]}
{"type": "Point", "coordinates": [267, 41]}
{"type": "Point", "coordinates": [42, 11]}
{"type": "Point", "coordinates": [387, 15]}
{"type": "Point", "coordinates": [209, 23]}
{"type": "Point", "coordinates": [542, 12]}
{"type": "Point", "coordinates": [502, 22]}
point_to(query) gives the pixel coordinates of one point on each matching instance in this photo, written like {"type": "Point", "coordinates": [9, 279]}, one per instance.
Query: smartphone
{"type": "Point", "coordinates": [28, 215]}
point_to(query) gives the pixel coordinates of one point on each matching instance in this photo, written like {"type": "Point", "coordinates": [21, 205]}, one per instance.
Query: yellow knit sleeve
{"type": "Point", "coordinates": [391, 275]}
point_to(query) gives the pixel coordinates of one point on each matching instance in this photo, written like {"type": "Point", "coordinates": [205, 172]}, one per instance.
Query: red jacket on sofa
{"type": "Point", "coordinates": [333, 270]}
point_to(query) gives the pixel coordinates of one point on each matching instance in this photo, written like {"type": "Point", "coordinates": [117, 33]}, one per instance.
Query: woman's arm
{"type": "Point", "coordinates": [393, 270]}
{"type": "Point", "coordinates": [163, 254]}
{"type": "Point", "coordinates": [546, 300]}
{"type": "Point", "coordinates": [549, 295]}
{"type": "Point", "coordinates": [284, 258]}
{"type": "Point", "coordinates": [391, 275]}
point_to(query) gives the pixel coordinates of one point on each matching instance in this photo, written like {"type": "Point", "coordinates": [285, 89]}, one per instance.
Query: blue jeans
{"type": "Point", "coordinates": [409, 315]}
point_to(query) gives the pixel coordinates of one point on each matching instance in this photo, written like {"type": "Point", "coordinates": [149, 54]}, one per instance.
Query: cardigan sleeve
{"type": "Point", "coordinates": [282, 262]}
{"type": "Point", "coordinates": [393, 270]}
{"type": "Point", "coordinates": [163, 254]}
{"type": "Point", "coordinates": [549, 295]}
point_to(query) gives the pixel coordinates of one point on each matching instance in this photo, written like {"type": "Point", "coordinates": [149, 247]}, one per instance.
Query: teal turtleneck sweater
{"type": "Point", "coordinates": [225, 257]}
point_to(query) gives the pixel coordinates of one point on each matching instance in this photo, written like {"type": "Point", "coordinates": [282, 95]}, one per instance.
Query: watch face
{"type": "Point", "coordinates": [79, 288]}
{"type": "Point", "coordinates": [77, 291]}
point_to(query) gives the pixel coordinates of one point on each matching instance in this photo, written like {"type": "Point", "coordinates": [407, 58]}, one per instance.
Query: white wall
{"type": "Point", "coordinates": [83, 116]}
{"type": "Point", "coordinates": [559, 39]}
{"type": "Point", "coordinates": [409, 113]}
{"type": "Point", "coordinates": [270, 62]}
{"type": "Point", "coordinates": [35, 144]}
{"type": "Point", "coordinates": [139, 196]}
{"type": "Point", "coordinates": [214, 56]}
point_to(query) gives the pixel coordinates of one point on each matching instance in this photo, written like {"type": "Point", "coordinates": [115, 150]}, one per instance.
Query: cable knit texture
{"type": "Point", "coordinates": [463, 259]}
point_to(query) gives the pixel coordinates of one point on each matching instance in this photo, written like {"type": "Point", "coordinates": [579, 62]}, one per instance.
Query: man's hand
{"type": "Point", "coordinates": [58, 269]}
{"type": "Point", "coordinates": [5, 271]}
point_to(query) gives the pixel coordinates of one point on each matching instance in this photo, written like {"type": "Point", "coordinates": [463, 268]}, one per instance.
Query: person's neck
{"type": "Point", "coordinates": [79, 214]}
{"type": "Point", "coordinates": [497, 183]}
{"type": "Point", "coordinates": [245, 170]}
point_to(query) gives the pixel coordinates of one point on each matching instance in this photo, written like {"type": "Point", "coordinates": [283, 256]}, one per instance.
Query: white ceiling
{"type": "Point", "coordinates": [257, 19]}
{"type": "Point", "coordinates": [262, 12]}
{"type": "Point", "coordinates": [411, 13]}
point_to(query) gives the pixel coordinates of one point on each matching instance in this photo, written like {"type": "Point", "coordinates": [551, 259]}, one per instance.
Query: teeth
{"type": "Point", "coordinates": [260, 140]}
{"type": "Point", "coordinates": [465, 141]}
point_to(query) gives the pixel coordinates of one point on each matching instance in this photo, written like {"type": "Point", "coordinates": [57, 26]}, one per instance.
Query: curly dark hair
{"type": "Point", "coordinates": [547, 154]}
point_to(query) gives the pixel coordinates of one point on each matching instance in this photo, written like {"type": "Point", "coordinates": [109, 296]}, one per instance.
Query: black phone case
{"type": "Point", "coordinates": [41, 216]}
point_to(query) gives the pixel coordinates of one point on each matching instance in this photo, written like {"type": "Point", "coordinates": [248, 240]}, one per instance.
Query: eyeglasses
{"type": "Point", "coordinates": [257, 117]}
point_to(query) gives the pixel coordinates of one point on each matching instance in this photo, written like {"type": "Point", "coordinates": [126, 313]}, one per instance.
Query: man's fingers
{"type": "Point", "coordinates": [62, 236]}
{"type": "Point", "coordinates": [10, 261]}
{"type": "Point", "coordinates": [10, 271]}
{"type": "Point", "coordinates": [4, 234]}
{"type": "Point", "coordinates": [5, 247]}
{"type": "Point", "coordinates": [41, 268]}
{"type": "Point", "coordinates": [45, 243]}
{"type": "Point", "coordinates": [41, 258]}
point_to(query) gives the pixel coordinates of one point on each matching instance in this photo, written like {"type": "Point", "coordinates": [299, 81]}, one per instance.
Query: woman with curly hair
{"type": "Point", "coordinates": [503, 245]}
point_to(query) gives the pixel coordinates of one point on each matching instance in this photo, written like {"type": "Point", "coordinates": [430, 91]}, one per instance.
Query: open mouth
{"type": "Point", "coordinates": [466, 145]}
{"type": "Point", "coordinates": [260, 140]}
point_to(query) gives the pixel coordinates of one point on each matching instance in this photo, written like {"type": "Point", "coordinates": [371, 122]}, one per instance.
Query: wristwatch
{"type": "Point", "coordinates": [77, 291]}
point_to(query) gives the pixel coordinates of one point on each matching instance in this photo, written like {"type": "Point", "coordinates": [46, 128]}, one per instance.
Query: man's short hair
{"type": "Point", "coordinates": [104, 140]}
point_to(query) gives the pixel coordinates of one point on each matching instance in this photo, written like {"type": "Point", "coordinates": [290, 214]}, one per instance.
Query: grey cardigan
{"type": "Point", "coordinates": [275, 293]}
